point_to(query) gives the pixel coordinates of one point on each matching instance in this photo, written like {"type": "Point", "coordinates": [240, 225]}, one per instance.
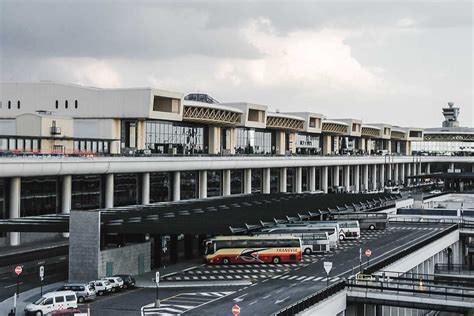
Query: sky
{"type": "Point", "coordinates": [380, 61]}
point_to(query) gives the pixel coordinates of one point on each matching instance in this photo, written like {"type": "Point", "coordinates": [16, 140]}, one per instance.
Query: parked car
{"type": "Point", "coordinates": [128, 280]}
{"type": "Point", "coordinates": [101, 287]}
{"type": "Point", "coordinates": [435, 192]}
{"type": "Point", "coordinates": [51, 302]}
{"type": "Point", "coordinates": [84, 291]}
{"type": "Point", "coordinates": [117, 283]}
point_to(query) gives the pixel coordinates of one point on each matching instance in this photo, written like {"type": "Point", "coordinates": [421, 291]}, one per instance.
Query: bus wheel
{"type": "Point", "coordinates": [341, 237]}
{"type": "Point", "coordinates": [307, 251]}
{"type": "Point", "coordinates": [372, 227]}
{"type": "Point", "coordinates": [276, 260]}
{"type": "Point", "coordinates": [225, 261]}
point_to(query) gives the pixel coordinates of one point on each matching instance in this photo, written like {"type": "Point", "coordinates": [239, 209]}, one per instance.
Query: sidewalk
{"type": "Point", "coordinates": [145, 279]}
{"type": "Point", "coordinates": [25, 298]}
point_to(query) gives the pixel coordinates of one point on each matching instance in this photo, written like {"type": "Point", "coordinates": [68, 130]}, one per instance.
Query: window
{"type": "Point", "coordinates": [9, 104]}
{"type": "Point", "coordinates": [18, 104]}
{"type": "Point", "coordinates": [48, 301]}
{"type": "Point", "coordinates": [75, 104]}
{"type": "Point", "coordinates": [57, 104]}
{"type": "Point", "coordinates": [59, 299]}
{"type": "Point", "coordinates": [65, 104]}
{"type": "Point", "coordinates": [70, 298]}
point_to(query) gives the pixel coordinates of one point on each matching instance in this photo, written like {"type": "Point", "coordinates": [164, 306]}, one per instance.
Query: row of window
{"type": "Point", "coordinates": [9, 104]}
{"type": "Point", "coordinates": [66, 104]}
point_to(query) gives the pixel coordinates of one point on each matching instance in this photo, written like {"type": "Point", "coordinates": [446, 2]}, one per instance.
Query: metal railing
{"type": "Point", "coordinates": [397, 256]}
{"type": "Point", "coordinates": [445, 268]}
{"type": "Point", "coordinates": [311, 300]}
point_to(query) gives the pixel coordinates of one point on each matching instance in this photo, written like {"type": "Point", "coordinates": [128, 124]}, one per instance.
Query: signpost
{"type": "Point", "coordinates": [368, 253]}
{"type": "Point", "coordinates": [18, 271]}
{"type": "Point", "coordinates": [157, 281]}
{"type": "Point", "coordinates": [327, 267]}
{"type": "Point", "coordinates": [236, 310]}
{"type": "Point", "coordinates": [41, 275]}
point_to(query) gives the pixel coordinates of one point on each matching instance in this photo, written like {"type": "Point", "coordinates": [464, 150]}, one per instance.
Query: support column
{"type": "Point", "coordinates": [109, 190]}
{"type": "Point", "coordinates": [382, 176]}
{"type": "Point", "coordinates": [356, 179]}
{"type": "Point", "coordinates": [402, 173]}
{"type": "Point", "coordinates": [226, 182]}
{"type": "Point", "coordinates": [298, 179]}
{"type": "Point", "coordinates": [312, 179]}
{"type": "Point", "coordinates": [389, 173]}
{"type": "Point", "coordinates": [146, 188]}
{"type": "Point", "coordinates": [395, 174]}
{"type": "Point", "coordinates": [347, 178]}
{"type": "Point", "coordinates": [324, 179]}
{"type": "Point", "coordinates": [428, 168]}
{"type": "Point", "coordinates": [247, 181]}
{"type": "Point", "coordinates": [335, 176]}
{"type": "Point", "coordinates": [14, 211]}
{"type": "Point", "coordinates": [283, 180]}
{"type": "Point", "coordinates": [408, 172]}
{"type": "Point", "coordinates": [66, 196]}
{"type": "Point", "coordinates": [327, 144]}
{"type": "Point", "coordinates": [176, 186]}
{"type": "Point", "coordinates": [202, 184]}
{"type": "Point", "coordinates": [266, 180]}
{"type": "Point", "coordinates": [366, 177]}
{"type": "Point", "coordinates": [374, 177]}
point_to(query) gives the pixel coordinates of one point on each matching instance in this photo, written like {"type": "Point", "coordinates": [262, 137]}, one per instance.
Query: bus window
{"type": "Point", "coordinates": [254, 244]}
{"type": "Point", "coordinates": [220, 244]}
{"type": "Point", "coordinates": [239, 244]}
{"type": "Point", "coordinates": [210, 248]}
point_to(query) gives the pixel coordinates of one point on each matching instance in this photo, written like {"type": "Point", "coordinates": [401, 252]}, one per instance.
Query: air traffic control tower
{"type": "Point", "coordinates": [451, 114]}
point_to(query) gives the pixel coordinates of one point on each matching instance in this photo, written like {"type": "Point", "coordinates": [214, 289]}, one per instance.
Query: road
{"type": "Point", "coordinates": [271, 287]}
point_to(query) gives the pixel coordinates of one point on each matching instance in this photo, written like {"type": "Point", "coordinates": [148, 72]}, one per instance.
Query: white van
{"type": "Point", "coordinates": [51, 302]}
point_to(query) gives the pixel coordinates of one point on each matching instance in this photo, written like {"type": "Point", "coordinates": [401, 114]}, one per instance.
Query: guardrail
{"type": "Point", "coordinates": [453, 269]}
{"type": "Point", "coordinates": [311, 300]}
{"type": "Point", "coordinates": [397, 256]}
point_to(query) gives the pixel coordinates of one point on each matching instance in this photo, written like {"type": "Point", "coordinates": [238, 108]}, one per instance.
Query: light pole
{"type": "Point", "coordinates": [157, 282]}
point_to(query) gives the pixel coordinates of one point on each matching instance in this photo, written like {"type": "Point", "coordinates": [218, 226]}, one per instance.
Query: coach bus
{"type": "Point", "coordinates": [330, 230]}
{"type": "Point", "coordinates": [346, 229]}
{"type": "Point", "coordinates": [366, 220]}
{"type": "Point", "coordinates": [310, 241]}
{"type": "Point", "coordinates": [252, 249]}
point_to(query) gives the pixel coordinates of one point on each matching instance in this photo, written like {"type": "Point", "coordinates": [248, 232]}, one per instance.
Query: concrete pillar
{"type": "Point", "coordinates": [327, 143]}
{"type": "Point", "coordinates": [283, 187]}
{"type": "Point", "coordinates": [109, 190]}
{"type": "Point", "coordinates": [202, 184]}
{"type": "Point", "coordinates": [266, 180]}
{"type": "Point", "coordinates": [66, 197]}
{"type": "Point", "coordinates": [14, 211]}
{"type": "Point", "coordinates": [356, 179]}
{"type": "Point", "coordinates": [226, 182]}
{"type": "Point", "coordinates": [335, 176]}
{"type": "Point", "coordinates": [365, 176]}
{"type": "Point", "coordinates": [362, 144]}
{"type": "Point", "coordinates": [419, 168]}
{"type": "Point", "coordinates": [146, 188]}
{"type": "Point", "coordinates": [176, 186]}
{"type": "Point", "coordinates": [395, 174]}
{"type": "Point", "coordinates": [402, 173]}
{"type": "Point", "coordinates": [336, 144]}
{"type": "Point", "coordinates": [347, 178]}
{"type": "Point", "coordinates": [389, 172]}
{"type": "Point", "coordinates": [324, 179]}
{"type": "Point", "coordinates": [280, 142]}
{"type": "Point", "coordinates": [408, 172]}
{"type": "Point", "coordinates": [247, 181]}
{"type": "Point", "coordinates": [312, 179]}
{"type": "Point", "coordinates": [374, 177]}
{"type": "Point", "coordinates": [298, 179]}
{"type": "Point", "coordinates": [214, 140]}
{"type": "Point", "coordinates": [382, 176]}
{"type": "Point", "coordinates": [428, 168]}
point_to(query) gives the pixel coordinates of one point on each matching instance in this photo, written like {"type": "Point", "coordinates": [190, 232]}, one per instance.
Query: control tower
{"type": "Point", "coordinates": [451, 114]}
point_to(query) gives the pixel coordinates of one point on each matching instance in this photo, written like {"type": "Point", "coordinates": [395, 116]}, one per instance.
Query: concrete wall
{"type": "Point", "coordinates": [125, 259]}
{"type": "Point", "coordinates": [329, 307]}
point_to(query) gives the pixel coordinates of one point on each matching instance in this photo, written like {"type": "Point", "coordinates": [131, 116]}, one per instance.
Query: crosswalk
{"type": "Point", "coordinates": [305, 278]}
{"type": "Point", "coordinates": [183, 302]}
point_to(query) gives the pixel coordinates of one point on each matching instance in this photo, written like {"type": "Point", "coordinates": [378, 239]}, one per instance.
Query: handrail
{"type": "Point", "coordinates": [453, 268]}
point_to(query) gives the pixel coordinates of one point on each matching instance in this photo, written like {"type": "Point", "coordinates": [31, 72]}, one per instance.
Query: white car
{"type": "Point", "coordinates": [435, 192]}
{"type": "Point", "coordinates": [50, 302]}
{"type": "Point", "coordinates": [101, 286]}
{"type": "Point", "coordinates": [116, 282]}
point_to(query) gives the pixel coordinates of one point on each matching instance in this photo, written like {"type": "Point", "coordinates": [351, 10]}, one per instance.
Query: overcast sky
{"type": "Point", "coordinates": [397, 62]}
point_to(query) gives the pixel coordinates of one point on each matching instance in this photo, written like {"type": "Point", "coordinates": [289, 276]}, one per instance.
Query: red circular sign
{"type": "Point", "coordinates": [236, 310]}
{"type": "Point", "coordinates": [18, 270]}
{"type": "Point", "coordinates": [368, 252]}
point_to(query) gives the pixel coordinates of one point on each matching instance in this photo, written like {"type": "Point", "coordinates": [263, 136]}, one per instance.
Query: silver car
{"type": "Point", "coordinates": [84, 291]}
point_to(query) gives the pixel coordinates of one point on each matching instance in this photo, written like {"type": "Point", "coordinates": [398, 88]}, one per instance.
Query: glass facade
{"type": "Point", "coordinates": [86, 192]}
{"type": "Point", "coordinates": [125, 189]}
{"type": "Point", "coordinates": [171, 138]}
{"type": "Point", "coordinates": [39, 196]}
{"type": "Point", "coordinates": [308, 144]}
{"type": "Point", "coordinates": [442, 147]}
{"type": "Point", "coordinates": [274, 180]}
{"type": "Point", "coordinates": [159, 187]}
{"type": "Point", "coordinates": [290, 179]}
{"type": "Point", "coordinates": [251, 141]}
{"type": "Point", "coordinates": [20, 144]}
{"type": "Point", "coordinates": [256, 180]}
{"type": "Point", "coordinates": [91, 146]}
{"type": "Point", "coordinates": [189, 186]}
{"type": "Point", "coordinates": [236, 181]}
{"type": "Point", "coordinates": [214, 179]}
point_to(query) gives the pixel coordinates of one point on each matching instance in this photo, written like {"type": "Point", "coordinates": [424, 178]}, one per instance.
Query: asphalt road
{"type": "Point", "coordinates": [272, 287]}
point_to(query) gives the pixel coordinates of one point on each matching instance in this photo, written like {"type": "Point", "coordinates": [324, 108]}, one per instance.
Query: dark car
{"type": "Point", "coordinates": [128, 280]}
{"type": "Point", "coordinates": [66, 312]}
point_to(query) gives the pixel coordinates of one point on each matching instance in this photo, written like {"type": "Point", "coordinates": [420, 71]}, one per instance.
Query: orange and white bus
{"type": "Point", "coordinates": [252, 249]}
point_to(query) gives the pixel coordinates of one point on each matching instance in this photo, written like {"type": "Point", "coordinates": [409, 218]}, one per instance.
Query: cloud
{"type": "Point", "coordinates": [406, 22]}
{"type": "Point", "coordinates": [91, 72]}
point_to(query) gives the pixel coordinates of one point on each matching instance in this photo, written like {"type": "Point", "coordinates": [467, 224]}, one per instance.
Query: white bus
{"type": "Point", "coordinates": [348, 229]}
{"type": "Point", "coordinates": [341, 233]}
{"type": "Point", "coordinates": [366, 220]}
{"type": "Point", "coordinates": [330, 230]}
{"type": "Point", "coordinates": [310, 241]}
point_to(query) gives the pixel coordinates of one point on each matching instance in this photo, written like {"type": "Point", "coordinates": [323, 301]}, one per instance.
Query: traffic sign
{"type": "Point", "coordinates": [18, 270]}
{"type": "Point", "coordinates": [327, 266]}
{"type": "Point", "coordinates": [236, 310]}
{"type": "Point", "coordinates": [157, 277]}
{"type": "Point", "coordinates": [368, 253]}
{"type": "Point", "coordinates": [41, 272]}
